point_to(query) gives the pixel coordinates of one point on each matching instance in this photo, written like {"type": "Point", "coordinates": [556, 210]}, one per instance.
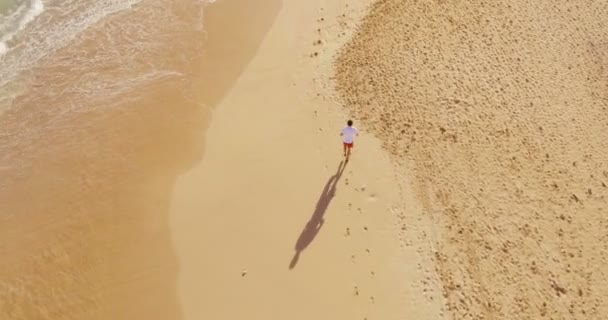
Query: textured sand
{"type": "Point", "coordinates": [499, 111]}
{"type": "Point", "coordinates": [271, 224]}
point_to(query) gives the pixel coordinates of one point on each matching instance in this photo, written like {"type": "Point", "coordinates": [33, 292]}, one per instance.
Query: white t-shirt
{"type": "Point", "coordinates": [348, 134]}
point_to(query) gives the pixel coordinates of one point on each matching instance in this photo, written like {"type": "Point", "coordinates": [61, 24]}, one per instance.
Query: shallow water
{"type": "Point", "coordinates": [15, 16]}
{"type": "Point", "coordinates": [7, 6]}
{"type": "Point", "coordinates": [99, 112]}
{"type": "Point", "coordinates": [80, 55]}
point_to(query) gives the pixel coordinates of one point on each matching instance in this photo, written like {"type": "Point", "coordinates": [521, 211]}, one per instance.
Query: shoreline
{"type": "Point", "coordinates": [476, 189]}
{"type": "Point", "coordinates": [190, 196]}
{"type": "Point", "coordinates": [269, 168]}
{"type": "Point", "coordinates": [88, 177]}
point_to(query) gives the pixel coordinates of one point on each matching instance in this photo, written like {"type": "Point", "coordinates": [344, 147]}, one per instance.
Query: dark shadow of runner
{"type": "Point", "coordinates": [316, 220]}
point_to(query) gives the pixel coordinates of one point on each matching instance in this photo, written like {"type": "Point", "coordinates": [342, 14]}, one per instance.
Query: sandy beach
{"type": "Point", "coordinates": [215, 186]}
{"type": "Point", "coordinates": [497, 112]}
{"type": "Point", "coordinates": [292, 232]}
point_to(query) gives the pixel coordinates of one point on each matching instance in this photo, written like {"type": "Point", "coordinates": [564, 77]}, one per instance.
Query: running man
{"type": "Point", "coordinates": [348, 137]}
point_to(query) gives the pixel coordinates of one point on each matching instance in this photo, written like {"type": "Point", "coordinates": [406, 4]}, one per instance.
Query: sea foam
{"type": "Point", "coordinates": [18, 19]}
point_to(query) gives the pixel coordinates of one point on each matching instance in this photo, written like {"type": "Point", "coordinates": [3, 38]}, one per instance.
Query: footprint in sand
{"type": "Point", "coordinates": [347, 232]}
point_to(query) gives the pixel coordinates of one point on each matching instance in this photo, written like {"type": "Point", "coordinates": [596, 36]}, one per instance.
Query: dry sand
{"type": "Point", "coordinates": [272, 224]}
{"type": "Point", "coordinates": [499, 111]}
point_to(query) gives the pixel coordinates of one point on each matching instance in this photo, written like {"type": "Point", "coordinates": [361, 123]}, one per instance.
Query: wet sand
{"type": "Point", "coordinates": [86, 181]}
{"type": "Point", "coordinates": [272, 224]}
{"type": "Point", "coordinates": [115, 211]}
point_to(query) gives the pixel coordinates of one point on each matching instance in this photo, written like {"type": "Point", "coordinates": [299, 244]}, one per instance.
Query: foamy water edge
{"type": "Point", "coordinates": [35, 9]}
{"type": "Point", "coordinates": [49, 28]}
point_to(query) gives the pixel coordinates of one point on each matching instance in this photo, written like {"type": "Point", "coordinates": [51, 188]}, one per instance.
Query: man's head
{"type": "Point", "coordinates": [349, 123]}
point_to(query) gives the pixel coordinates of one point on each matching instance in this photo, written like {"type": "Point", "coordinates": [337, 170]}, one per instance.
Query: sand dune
{"type": "Point", "coordinates": [499, 111]}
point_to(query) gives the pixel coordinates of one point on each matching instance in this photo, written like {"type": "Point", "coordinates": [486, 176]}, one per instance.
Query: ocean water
{"type": "Point", "coordinates": [14, 16]}
{"type": "Point", "coordinates": [33, 31]}
{"type": "Point", "coordinates": [74, 56]}
{"type": "Point", "coordinates": [98, 113]}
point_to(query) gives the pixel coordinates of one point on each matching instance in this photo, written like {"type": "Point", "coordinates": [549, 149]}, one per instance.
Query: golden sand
{"type": "Point", "coordinates": [499, 111]}
{"type": "Point", "coordinates": [488, 204]}
{"type": "Point", "coordinates": [113, 212]}
{"type": "Point", "coordinates": [271, 224]}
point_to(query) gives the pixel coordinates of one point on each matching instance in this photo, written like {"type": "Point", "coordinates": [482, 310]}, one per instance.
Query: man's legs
{"type": "Point", "coordinates": [344, 146]}
{"type": "Point", "coordinates": [347, 149]}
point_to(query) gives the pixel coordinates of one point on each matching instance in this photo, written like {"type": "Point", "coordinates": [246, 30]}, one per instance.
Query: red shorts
{"type": "Point", "coordinates": [348, 145]}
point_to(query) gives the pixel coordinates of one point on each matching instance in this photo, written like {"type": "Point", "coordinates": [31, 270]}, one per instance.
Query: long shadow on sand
{"type": "Point", "coordinates": [312, 227]}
